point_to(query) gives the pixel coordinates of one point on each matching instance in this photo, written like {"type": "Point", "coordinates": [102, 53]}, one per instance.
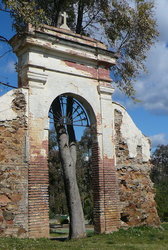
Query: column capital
{"type": "Point", "coordinates": [33, 79]}
{"type": "Point", "coordinates": [105, 90]}
{"type": "Point", "coordinates": [37, 77]}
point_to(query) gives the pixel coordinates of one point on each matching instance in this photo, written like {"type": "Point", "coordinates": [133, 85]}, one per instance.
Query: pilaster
{"type": "Point", "coordinates": [38, 181]}
{"type": "Point", "coordinates": [110, 184]}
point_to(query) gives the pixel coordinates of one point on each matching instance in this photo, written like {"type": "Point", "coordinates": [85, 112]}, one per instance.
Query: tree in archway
{"type": "Point", "coordinates": [68, 154]}
{"type": "Point", "coordinates": [129, 29]}
{"type": "Point", "coordinates": [57, 198]}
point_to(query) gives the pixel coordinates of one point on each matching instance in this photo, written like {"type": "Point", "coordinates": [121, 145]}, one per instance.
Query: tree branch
{"type": "Point", "coordinates": [91, 20]}
{"type": "Point", "coordinates": [8, 85]}
{"type": "Point", "coordinates": [8, 11]}
{"type": "Point", "coordinates": [80, 17]}
{"type": "Point", "coordinates": [70, 130]}
{"type": "Point", "coordinates": [5, 53]}
{"type": "Point", "coordinates": [125, 39]}
{"type": "Point", "coordinates": [3, 39]}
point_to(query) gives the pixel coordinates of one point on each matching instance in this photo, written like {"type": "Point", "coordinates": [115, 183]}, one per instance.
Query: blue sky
{"type": "Point", "coordinates": [7, 62]}
{"type": "Point", "coordinates": [151, 115]}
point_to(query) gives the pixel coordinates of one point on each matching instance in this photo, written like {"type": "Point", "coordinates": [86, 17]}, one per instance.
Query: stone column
{"type": "Point", "coordinates": [107, 188]}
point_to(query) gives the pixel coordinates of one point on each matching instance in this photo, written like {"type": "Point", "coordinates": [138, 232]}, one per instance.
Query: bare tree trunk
{"type": "Point", "coordinates": [67, 147]}
{"type": "Point", "coordinates": [80, 17]}
{"type": "Point", "coordinates": [57, 6]}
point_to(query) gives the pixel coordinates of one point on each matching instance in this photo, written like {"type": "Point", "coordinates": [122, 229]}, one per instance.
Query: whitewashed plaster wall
{"type": "Point", "coordinates": [7, 113]}
{"type": "Point", "coordinates": [132, 135]}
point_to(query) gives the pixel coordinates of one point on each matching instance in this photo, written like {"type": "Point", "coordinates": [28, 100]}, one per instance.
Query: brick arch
{"type": "Point", "coordinates": [105, 216]}
{"type": "Point", "coordinates": [38, 207]}
{"type": "Point", "coordinates": [95, 155]}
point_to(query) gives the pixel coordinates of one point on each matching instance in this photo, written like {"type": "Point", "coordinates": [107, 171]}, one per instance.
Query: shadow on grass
{"type": "Point", "coordinates": [62, 239]}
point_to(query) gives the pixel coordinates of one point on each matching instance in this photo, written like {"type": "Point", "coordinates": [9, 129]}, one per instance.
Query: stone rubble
{"type": "Point", "coordinates": [136, 191]}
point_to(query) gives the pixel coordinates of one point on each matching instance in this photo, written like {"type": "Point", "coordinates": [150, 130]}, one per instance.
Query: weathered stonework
{"type": "Point", "coordinates": [13, 167]}
{"type": "Point", "coordinates": [136, 190]}
{"type": "Point", "coordinates": [53, 62]}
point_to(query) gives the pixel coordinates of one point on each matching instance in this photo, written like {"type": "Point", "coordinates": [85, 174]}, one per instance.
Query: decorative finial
{"type": "Point", "coordinates": [64, 25]}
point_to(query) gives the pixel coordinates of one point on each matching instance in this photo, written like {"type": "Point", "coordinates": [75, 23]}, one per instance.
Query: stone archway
{"type": "Point", "coordinates": [67, 115]}
{"type": "Point", "coordinates": [52, 61]}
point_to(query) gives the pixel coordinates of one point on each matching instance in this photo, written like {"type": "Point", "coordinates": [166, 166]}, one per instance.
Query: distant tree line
{"type": "Point", "coordinates": [159, 176]}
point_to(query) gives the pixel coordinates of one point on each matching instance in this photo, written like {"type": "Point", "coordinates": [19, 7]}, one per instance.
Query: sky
{"type": "Point", "coordinates": [151, 114]}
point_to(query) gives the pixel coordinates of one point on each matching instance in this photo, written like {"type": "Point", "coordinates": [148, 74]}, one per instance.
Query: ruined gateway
{"type": "Point", "coordinates": [52, 62]}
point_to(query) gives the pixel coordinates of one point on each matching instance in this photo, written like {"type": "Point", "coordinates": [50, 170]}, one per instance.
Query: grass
{"type": "Point", "coordinates": [64, 231]}
{"type": "Point", "coordinates": [140, 238]}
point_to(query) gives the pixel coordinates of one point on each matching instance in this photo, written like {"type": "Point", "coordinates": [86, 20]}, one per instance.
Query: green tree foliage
{"type": "Point", "coordinates": [162, 200]}
{"type": "Point", "coordinates": [128, 27]}
{"type": "Point", "coordinates": [159, 176]}
{"type": "Point", "coordinates": [57, 198]}
{"type": "Point", "coordinates": [160, 162]}
{"type": "Point", "coordinates": [24, 12]}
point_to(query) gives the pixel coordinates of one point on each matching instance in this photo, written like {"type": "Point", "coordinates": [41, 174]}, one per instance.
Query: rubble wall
{"type": "Point", "coordinates": [136, 190]}
{"type": "Point", "coordinates": [13, 166]}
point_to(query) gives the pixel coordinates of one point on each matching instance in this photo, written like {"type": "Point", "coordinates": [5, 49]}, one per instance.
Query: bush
{"type": "Point", "coordinates": [162, 200]}
{"type": "Point", "coordinates": [64, 220]}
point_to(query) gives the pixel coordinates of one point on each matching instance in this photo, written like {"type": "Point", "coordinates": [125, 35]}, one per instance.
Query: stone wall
{"type": "Point", "coordinates": [136, 190]}
{"type": "Point", "coordinates": [13, 166]}
{"type": "Point", "coordinates": [132, 150]}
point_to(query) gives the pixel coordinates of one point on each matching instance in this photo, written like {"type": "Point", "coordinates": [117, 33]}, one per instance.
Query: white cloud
{"type": "Point", "coordinates": [158, 139]}
{"type": "Point", "coordinates": [152, 89]}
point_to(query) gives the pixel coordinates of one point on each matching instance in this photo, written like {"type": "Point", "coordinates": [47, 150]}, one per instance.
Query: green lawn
{"type": "Point", "coordinates": [134, 239]}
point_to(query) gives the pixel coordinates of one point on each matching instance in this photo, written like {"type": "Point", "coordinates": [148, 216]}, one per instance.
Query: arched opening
{"type": "Point", "coordinates": [72, 126]}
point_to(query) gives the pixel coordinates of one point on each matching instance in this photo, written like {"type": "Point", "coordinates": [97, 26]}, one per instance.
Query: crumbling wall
{"type": "Point", "coordinates": [136, 190]}
{"type": "Point", "coordinates": [13, 166]}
